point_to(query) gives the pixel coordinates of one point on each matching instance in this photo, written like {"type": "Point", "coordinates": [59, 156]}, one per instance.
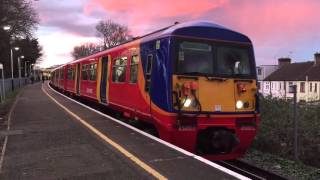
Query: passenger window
{"type": "Point", "coordinates": [84, 72]}
{"type": "Point", "coordinates": [70, 74]}
{"type": "Point", "coordinates": [93, 72]}
{"type": "Point", "coordinates": [119, 70]}
{"type": "Point", "coordinates": [134, 69]}
{"type": "Point", "coordinates": [62, 74]}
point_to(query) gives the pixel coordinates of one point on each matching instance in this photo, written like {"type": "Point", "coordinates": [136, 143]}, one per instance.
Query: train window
{"type": "Point", "coordinates": [84, 72]}
{"type": "Point", "coordinates": [134, 69]}
{"type": "Point", "coordinates": [148, 73]}
{"type": "Point", "coordinates": [70, 74]}
{"type": "Point", "coordinates": [93, 72]}
{"type": "Point", "coordinates": [149, 64]}
{"type": "Point", "coordinates": [62, 74]}
{"type": "Point", "coordinates": [119, 70]}
{"type": "Point", "coordinates": [233, 61]}
{"type": "Point", "coordinates": [195, 58]}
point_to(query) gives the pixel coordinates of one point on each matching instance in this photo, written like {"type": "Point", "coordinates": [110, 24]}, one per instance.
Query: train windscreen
{"type": "Point", "coordinates": [212, 59]}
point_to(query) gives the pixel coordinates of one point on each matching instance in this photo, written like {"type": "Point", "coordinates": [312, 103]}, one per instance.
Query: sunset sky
{"type": "Point", "coordinates": [277, 28]}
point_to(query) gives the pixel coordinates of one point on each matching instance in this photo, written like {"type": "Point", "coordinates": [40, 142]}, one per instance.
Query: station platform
{"type": "Point", "coordinates": [53, 137]}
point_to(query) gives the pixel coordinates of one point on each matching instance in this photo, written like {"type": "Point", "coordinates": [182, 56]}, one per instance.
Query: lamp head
{"type": "Point", "coordinates": [6, 28]}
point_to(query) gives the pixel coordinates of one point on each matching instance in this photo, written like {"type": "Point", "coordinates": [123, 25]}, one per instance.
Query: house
{"type": "Point", "coordinates": [264, 71]}
{"type": "Point", "coordinates": [306, 75]}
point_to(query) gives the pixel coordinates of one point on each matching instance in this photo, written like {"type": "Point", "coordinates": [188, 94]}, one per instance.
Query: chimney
{"type": "Point", "coordinates": [283, 61]}
{"type": "Point", "coordinates": [317, 58]}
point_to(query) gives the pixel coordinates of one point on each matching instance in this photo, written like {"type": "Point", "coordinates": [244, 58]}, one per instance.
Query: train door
{"type": "Point", "coordinates": [78, 79]}
{"type": "Point", "coordinates": [148, 78]}
{"type": "Point", "coordinates": [104, 80]}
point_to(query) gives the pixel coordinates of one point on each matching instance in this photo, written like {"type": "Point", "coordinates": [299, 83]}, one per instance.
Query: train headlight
{"type": "Point", "coordinates": [187, 102]}
{"type": "Point", "coordinates": [239, 104]}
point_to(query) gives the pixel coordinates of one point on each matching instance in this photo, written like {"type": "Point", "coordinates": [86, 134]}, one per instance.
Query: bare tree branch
{"type": "Point", "coordinates": [85, 50]}
{"type": "Point", "coordinates": [112, 33]}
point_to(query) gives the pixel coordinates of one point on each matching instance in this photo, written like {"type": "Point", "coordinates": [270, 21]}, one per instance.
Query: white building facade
{"type": "Point", "coordinates": [264, 71]}
{"type": "Point", "coordinates": [305, 75]}
{"type": "Point", "coordinates": [306, 90]}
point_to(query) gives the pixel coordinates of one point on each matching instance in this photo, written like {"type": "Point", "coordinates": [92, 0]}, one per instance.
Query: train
{"type": "Point", "coordinates": [194, 82]}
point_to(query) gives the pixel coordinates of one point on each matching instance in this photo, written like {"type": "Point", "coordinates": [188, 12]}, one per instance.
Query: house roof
{"type": "Point", "coordinates": [296, 72]}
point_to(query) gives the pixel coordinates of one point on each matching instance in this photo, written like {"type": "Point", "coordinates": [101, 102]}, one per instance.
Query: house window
{"type": "Point", "coordinates": [310, 88]}
{"type": "Point", "coordinates": [315, 87]}
{"type": "Point", "coordinates": [267, 86]}
{"type": "Point", "coordinates": [134, 69]}
{"type": "Point", "coordinates": [119, 70]}
{"type": "Point", "coordinates": [259, 85]}
{"type": "Point", "coordinates": [259, 71]}
{"type": "Point", "coordinates": [302, 87]}
{"type": "Point", "coordinates": [93, 72]}
{"type": "Point", "coordinates": [280, 85]}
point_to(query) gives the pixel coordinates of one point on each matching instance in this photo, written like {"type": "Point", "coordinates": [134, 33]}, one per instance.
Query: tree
{"type": "Point", "coordinates": [19, 15]}
{"type": "Point", "coordinates": [30, 50]}
{"type": "Point", "coordinates": [112, 33]}
{"type": "Point", "coordinates": [85, 50]}
{"type": "Point", "coordinates": [22, 19]}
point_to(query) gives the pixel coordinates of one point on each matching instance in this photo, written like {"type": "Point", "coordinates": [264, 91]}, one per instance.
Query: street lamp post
{"type": "Point", "coordinates": [12, 80]}
{"type": "Point", "coordinates": [25, 69]}
{"type": "Point", "coordinates": [293, 89]}
{"type": "Point", "coordinates": [3, 94]}
{"type": "Point", "coordinates": [19, 68]}
{"type": "Point", "coordinates": [8, 28]}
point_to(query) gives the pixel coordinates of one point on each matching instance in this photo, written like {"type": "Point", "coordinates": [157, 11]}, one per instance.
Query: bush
{"type": "Point", "coordinates": [276, 129]}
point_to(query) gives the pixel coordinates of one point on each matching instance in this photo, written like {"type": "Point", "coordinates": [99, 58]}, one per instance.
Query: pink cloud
{"type": "Point", "coordinates": [140, 14]}
{"type": "Point", "coordinates": [274, 19]}
{"type": "Point", "coordinates": [260, 19]}
{"type": "Point", "coordinates": [275, 27]}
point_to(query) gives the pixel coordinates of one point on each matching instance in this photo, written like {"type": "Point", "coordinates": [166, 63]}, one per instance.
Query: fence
{"type": "Point", "coordinates": [8, 85]}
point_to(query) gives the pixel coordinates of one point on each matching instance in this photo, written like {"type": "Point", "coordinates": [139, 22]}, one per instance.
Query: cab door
{"type": "Point", "coordinates": [148, 78]}
{"type": "Point", "coordinates": [104, 79]}
{"type": "Point", "coordinates": [78, 79]}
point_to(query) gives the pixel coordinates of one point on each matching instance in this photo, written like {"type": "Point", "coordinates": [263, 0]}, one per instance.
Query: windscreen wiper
{"type": "Point", "coordinates": [194, 73]}
{"type": "Point", "coordinates": [216, 78]}
{"type": "Point", "coordinates": [190, 75]}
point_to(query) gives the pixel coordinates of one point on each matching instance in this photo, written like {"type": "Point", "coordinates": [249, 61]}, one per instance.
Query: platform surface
{"type": "Point", "coordinates": [47, 142]}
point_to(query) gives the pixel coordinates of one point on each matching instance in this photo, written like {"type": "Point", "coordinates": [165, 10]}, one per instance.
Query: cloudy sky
{"type": "Point", "coordinates": [277, 28]}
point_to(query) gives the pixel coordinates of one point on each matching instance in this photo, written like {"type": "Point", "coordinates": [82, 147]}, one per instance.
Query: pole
{"type": "Point", "coordinates": [3, 90]}
{"type": "Point", "coordinates": [19, 66]}
{"type": "Point", "coordinates": [3, 93]}
{"type": "Point", "coordinates": [12, 82]}
{"type": "Point", "coordinates": [296, 156]}
{"type": "Point", "coordinates": [25, 69]}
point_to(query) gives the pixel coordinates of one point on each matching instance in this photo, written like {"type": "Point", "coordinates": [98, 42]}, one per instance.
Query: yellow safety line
{"type": "Point", "coordinates": [111, 142]}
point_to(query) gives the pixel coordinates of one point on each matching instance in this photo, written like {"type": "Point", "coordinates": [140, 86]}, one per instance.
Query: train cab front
{"type": "Point", "coordinates": [214, 96]}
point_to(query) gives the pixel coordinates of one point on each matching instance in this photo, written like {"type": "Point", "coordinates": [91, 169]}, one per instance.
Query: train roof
{"type": "Point", "coordinates": [200, 29]}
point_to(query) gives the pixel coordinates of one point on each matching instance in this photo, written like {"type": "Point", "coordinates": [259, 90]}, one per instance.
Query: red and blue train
{"type": "Point", "coordinates": [195, 82]}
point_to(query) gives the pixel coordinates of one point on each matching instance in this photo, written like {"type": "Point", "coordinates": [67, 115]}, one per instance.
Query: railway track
{"type": "Point", "coordinates": [240, 167]}
{"type": "Point", "coordinates": [249, 170]}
